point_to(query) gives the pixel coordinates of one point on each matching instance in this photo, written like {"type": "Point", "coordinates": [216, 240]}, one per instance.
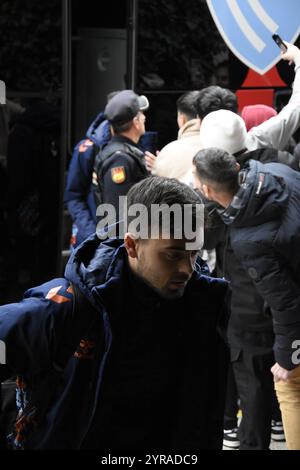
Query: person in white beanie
{"type": "Point", "coordinates": [225, 130]}
{"type": "Point", "coordinates": [231, 133]}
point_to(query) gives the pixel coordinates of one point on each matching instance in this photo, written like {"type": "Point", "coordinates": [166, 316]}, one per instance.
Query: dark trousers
{"type": "Point", "coordinates": [231, 402]}
{"type": "Point", "coordinates": [255, 388]}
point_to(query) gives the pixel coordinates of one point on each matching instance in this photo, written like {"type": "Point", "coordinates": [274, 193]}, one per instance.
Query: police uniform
{"type": "Point", "coordinates": [118, 166]}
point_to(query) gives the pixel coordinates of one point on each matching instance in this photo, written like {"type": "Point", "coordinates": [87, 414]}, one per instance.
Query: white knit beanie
{"type": "Point", "coordinates": [223, 129]}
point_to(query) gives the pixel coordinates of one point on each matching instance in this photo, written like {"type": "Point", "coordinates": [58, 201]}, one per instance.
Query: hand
{"type": "Point", "coordinates": [150, 160]}
{"type": "Point", "coordinates": [292, 54]}
{"type": "Point", "coordinates": [280, 373]}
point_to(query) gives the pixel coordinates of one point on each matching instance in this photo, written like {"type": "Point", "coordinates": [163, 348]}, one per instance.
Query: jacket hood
{"type": "Point", "coordinates": [95, 267]}
{"type": "Point", "coordinates": [99, 130]}
{"type": "Point", "coordinates": [256, 114]}
{"type": "Point", "coordinates": [262, 197]}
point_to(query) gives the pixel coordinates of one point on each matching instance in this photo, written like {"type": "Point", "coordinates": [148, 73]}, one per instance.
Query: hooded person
{"type": "Point", "coordinates": [250, 331]}
{"type": "Point", "coordinates": [79, 196]}
{"type": "Point", "coordinates": [125, 351]}
{"type": "Point", "coordinates": [256, 114]}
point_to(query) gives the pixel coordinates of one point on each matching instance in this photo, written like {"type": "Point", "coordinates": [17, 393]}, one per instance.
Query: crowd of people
{"type": "Point", "coordinates": [159, 340]}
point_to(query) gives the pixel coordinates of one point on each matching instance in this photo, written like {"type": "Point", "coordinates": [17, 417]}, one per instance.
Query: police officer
{"type": "Point", "coordinates": [121, 163]}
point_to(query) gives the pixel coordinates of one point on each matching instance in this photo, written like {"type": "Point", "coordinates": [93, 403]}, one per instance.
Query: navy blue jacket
{"type": "Point", "coordinates": [79, 195]}
{"type": "Point", "coordinates": [64, 350]}
{"type": "Point", "coordinates": [264, 222]}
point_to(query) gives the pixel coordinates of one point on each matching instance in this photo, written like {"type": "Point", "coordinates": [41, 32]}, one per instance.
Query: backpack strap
{"type": "Point", "coordinates": [36, 398]}
{"type": "Point", "coordinates": [110, 149]}
{"type": "Point", "coordinates": [106, 152]}
{"type": "Point", "coordinates": [83, 316]}
{"type": "Point", "coordinates": [80, 302]}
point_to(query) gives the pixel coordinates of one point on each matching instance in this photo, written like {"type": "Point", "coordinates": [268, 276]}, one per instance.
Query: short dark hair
{"type": "Point", "coordinates": [213, 98]}
{"type": "Point", "coordinates": [163, 191]}
{"type": "Point", "coordinates": [186, 104]}
{"type": "Point", "coordinates": [217, 167]}
{"type": "Point", "coordinates": [118, 129]}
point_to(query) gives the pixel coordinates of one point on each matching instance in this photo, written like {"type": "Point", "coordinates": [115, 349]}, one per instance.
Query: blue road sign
{"type": "Point", "coordinates": [247, 27]}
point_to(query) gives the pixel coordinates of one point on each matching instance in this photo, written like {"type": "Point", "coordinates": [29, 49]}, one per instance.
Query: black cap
{"type": "Point", "coordinates": [124, 106]}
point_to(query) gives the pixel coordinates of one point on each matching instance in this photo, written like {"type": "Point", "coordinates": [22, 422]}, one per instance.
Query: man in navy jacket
{"type": "Point", "coordinates": [79, 195]}
{"type": "Point", "coordinates": [125, 351]}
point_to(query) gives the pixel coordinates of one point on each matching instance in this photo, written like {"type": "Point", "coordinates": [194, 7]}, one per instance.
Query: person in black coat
{"type": "Point", "coordinates": [261, 207]}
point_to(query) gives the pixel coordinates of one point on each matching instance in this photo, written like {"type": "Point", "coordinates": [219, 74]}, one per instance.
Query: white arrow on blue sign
{"type": "Point", "coordinates": [247, 27]}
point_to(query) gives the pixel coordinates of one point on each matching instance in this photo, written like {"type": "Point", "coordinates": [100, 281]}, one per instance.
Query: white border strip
{"type": "Point", "coordinates": [263, 16]}
{"type": "Point", "coordinates": [245, 27]}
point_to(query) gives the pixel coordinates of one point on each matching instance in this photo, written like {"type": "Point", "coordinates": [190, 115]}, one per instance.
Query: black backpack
{"type": "Point", "coordinates": [106, 152]}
